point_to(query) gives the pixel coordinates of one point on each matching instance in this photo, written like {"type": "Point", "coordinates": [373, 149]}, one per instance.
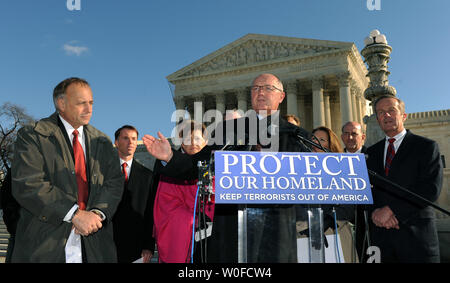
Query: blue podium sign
{"type": "Point", "coordinates": [291, 177]}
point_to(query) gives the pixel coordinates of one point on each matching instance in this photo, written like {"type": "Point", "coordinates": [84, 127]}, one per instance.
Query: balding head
{"type": "Point", "coordinates": [267, 94]}
{"type": "Point", "coordinates": [353, 136]}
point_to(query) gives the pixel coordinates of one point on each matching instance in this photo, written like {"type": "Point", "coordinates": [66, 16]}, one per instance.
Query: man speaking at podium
{"type": "Point", "coordinates": [273, 236]}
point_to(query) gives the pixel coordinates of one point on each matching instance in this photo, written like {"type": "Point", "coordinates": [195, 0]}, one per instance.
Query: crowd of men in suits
{"type": "Point", "coordinates": [82, 200]}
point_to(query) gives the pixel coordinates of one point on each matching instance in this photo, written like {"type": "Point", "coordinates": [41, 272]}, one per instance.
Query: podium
{"type": "Point", "coordinates": [266, 183]}
{"type": "Point", "coordinates": [316, 236]}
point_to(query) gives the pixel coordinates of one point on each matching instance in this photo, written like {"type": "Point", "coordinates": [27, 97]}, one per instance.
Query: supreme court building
{"type": "Point", "coordinates": [324, 80]}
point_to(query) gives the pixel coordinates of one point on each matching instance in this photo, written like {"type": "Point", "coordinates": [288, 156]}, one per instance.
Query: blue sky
{"type": "Point", "coordinates": [125, 49]}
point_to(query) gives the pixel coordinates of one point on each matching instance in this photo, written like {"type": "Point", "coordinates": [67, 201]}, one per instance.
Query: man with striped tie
{"type": "Point", "coordinates": [403, 228]}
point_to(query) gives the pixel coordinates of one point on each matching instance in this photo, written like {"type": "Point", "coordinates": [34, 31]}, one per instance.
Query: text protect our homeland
{"type": "Point", "coordinates": [285, 177]}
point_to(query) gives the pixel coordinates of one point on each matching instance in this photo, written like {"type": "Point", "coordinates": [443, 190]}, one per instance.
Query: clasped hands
{"type": "Point", "coordinates": [86, 222]}
{"type": "Point", "coordinates": [384, 217]}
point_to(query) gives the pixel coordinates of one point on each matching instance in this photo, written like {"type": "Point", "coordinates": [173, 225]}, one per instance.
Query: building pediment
{"type": "Point", "coordinates": [255, 49]}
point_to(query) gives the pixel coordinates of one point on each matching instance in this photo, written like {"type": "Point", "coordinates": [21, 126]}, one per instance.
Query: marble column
{"type": "Point", "coordinates": [336, 115]}
{"type": "Point", "coordinates": [242, 95]}
{"type": "Point", "coordinates": [318, 103]}
{"type": "Point", "coordinates": [362, 103]}
{"type": "Point", "coordinates": [291, 91]}
{"type": "Point", "coordinates": [327, 108]}
{"type": "Point", "coordinates": [199, 107]}
{"type": "Point", "coordinates": [359, 106]}
{"type": "Point", "coordinates": [180, 107]}
{"type": "Point", "coordinates": [220, 103]}
{"type": "Point", "coordinates": [344, 97]}
{"type": "Point", "coordinates": [301, 109]}
{"type": "Point", "coordinates": [354, 104]}
{"type": "Point", "coordinates": [179, 102]}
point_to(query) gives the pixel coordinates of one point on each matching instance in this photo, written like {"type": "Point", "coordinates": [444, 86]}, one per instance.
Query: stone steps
{"type": "Point", "coordinates": [4, 236]}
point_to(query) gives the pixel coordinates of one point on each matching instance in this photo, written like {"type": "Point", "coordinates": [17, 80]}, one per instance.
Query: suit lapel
{"type": "Point", "coordinates": [403, 150]}
{"type": "Point", "coordinates": [91, 153]}
{"type": "Point", "coordinates": [379, 153]}
{"type": "Point", "coordinates": [134, 172]}
{"type": "Point", "coordinates": [62, 141]}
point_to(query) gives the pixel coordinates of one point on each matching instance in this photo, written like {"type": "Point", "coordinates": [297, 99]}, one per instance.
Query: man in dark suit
{"type": "Point", "coordinates": [353, 138]}
{"type": "Point", "coordinates": [133, 221]}
{"type": "Point", "coordinates": [273, 230]}
{"type": "Point", "coordinates": [403, 227]}
{"type": "Point", "coordinates": [67, 181]}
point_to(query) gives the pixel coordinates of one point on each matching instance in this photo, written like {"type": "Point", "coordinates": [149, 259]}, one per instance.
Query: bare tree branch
{"type": "Point", "coordinates": [12, 118]}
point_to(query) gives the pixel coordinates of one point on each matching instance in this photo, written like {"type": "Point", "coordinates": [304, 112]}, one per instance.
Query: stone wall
{"type": "Point", "coordinates": [435, 125]}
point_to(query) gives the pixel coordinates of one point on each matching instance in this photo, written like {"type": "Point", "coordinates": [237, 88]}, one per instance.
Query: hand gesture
{"type": "Point", "coordinates": [159, 148]}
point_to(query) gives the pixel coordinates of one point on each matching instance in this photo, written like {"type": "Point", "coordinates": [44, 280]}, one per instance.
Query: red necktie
{"type": "Point", "coordinates": [80, 172]}
{"type": "Point", "coordinates": [124, 170]}
{"type": "Point", "coordinates": [389, 156]}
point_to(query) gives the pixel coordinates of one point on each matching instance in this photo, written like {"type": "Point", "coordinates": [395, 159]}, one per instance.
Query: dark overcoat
{"type": "Point", "coordinates": [44, 184]}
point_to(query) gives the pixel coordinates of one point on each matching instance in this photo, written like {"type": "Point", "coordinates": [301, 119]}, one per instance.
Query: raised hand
{"type": "Point", "coordinates": [159, 148]}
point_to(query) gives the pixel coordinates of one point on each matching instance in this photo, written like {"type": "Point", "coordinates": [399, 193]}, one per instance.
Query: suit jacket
{"type": "Point", "coordinates": [272, 228]}
{"type": "Point", "coordinates": [417, 167]}
{"type": "Point", "coordinates": [364, 149]}
{"type": "Point", "coordinates": [44, 184]}
{"type": "Point", "coordinates": [133, 221]}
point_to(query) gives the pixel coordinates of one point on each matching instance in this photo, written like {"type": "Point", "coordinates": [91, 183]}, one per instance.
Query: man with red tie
{"type": "Point", "coordinates": [133, 221]}
{"type": "Point", "coordinates": [404, 228]}
{"type": "Point", "coordinates": [67, 180]}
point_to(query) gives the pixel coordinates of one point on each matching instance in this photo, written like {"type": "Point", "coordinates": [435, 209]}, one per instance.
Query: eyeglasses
{"type": "Point", "coordinates": [268, 88]}
{"type": "Point", "coordinates": [347, 134]}
{"type": "Point", "coordinates": [193, 140]}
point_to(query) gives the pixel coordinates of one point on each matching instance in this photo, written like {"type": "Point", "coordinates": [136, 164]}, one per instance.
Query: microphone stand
{"type": "Point", "coordinates": [204, 195]}
{"type": "Point", "coordinates": [383, 179]}
{"type": "Point", "coordinates": [316, 235]}
{"type": "Point", "coordinates": [397, 186]}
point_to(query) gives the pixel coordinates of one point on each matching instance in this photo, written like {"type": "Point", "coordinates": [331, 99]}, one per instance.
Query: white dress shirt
{"type": "Point", "coordinates": [128, 168]}
{"type": "Point", "coordinates": [358, 151]}
{"type": "Point", "coordinates": [69, 130]}
{"type": "Point", "coordinates": [73, 244]}
{"type": "Point", "coordinates": [398, 141]}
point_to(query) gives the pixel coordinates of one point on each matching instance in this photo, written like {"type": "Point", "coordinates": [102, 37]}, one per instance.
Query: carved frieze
{"type": "Point", "coordinates": [253, 52]}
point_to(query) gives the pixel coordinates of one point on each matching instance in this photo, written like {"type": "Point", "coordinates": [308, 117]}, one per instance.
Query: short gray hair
{"type": "Point", "coordinates": [401, 104]}
{"type": "Point", "coordinates": [60, 89]}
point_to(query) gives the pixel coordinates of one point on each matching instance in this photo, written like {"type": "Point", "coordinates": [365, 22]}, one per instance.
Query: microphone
{"type": "Point", "coordinates": [298, 133]}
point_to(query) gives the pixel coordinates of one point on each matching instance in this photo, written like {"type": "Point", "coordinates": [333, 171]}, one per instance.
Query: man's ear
{"type": "Point", "coordinates": [283, 95]}
{"type": "Point", "coordinates": [61, 103]}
